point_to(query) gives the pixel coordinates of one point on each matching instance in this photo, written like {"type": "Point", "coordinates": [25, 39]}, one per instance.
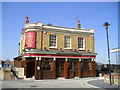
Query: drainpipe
{"type": "Point", "coordinates": [41, 39]}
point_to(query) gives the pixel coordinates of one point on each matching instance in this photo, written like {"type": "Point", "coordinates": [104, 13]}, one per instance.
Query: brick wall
{"type": "Point", "coordinates": [89, 43]}
{"type": "Point", "coordinates": [18, 63]}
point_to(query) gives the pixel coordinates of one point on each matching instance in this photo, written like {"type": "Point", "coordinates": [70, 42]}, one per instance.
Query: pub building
{"type": "Point", "coordinates": [51, 52]}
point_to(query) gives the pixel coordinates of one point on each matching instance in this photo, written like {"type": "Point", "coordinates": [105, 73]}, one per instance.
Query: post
{"type": "Point", "coordinates": [79, 68]}
{"type": "Point", "coordinates": [54, 68]}
{"type": "Point", "coordinates": [66, 68]}
{"type": "Point", "coordinates": [106, 25]}
{"type": "Point", "coordinates": [36, 59]}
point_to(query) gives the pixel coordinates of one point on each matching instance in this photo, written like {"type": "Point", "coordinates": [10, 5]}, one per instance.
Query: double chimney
{"type": "Point", "coordinates": [27, 21]}
{"type": "Point", "coordinates": [78, 23]}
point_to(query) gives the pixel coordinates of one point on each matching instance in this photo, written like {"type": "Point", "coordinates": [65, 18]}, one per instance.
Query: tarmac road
{"type": "Point", "coordinates": [51, 83]}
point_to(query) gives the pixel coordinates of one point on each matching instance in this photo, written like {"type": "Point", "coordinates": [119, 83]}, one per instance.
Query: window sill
{"type": "Point", "coordinates": [53, 47]}
{"type": "Point", "coordinates": [81, 49]}
{"type": "Point", "coordinates": [67, 48]}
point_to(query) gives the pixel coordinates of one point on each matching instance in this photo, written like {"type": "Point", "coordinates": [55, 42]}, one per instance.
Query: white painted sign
{"type": "Point", "coordinates": [115, 50]}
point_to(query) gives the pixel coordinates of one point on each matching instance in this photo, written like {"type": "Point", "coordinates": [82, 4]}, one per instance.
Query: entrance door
{"type": "Point", "coordinates": [60, 67]}
{"type": "Point", "coordinates": [30, 69]}
{"type": "Point", "coordinates": [76, 68]}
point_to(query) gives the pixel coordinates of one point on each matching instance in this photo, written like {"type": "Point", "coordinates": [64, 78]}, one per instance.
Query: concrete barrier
{"type": "Point", "coordinates": [5, 74]}
{"type": "Point", "coordinates": [20, 72]}
{"type": "Point", "coordinates": [115, 78]}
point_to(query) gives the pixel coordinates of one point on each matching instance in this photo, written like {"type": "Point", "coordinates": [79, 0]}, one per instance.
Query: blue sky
{"type": "Point", "coordinates": [91, 15]}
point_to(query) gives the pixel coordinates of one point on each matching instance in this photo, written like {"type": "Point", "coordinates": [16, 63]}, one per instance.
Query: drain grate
{"type": "Point", "coordinates": [33, 86]}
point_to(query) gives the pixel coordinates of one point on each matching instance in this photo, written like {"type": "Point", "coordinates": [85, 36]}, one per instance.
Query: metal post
{"type": "Point", "coordinates": [116, 58]}
{"type": "Point", "coordinates": [106, 25]}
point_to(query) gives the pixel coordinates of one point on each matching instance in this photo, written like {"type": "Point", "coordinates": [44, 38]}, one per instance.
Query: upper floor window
{"type": "Point", "coordinates": [52, 42]}
{"type": "Point", "coordinates": [80, 43]}
{"type": "Point", "coordinates": [67, 42]}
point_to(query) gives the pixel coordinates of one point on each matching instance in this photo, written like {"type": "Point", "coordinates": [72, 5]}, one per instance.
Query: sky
{"type": "Point", "coordinates": [91, 15]}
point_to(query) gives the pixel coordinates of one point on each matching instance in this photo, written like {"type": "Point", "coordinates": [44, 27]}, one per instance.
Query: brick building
{"type": "Point", "coordinates": [49, 52]}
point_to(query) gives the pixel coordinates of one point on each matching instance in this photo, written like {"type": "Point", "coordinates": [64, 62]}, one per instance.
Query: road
{"type": "Point", "coordinates": [55, 83]}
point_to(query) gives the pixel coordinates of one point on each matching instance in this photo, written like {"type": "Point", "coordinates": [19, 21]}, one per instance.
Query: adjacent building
{"type": "Point", "coordinates": [50, 52]}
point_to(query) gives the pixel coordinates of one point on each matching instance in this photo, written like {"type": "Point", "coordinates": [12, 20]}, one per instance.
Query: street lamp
{"type": "Point", "coordinates": [106, 24]}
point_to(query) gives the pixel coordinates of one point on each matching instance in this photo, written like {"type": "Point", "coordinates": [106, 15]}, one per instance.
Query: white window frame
{"type": "Point", "coordinates": [50, 41]}
{"type": "Point", "coordinates": [65, 42]}
{"type": "Point", "coordinates": [83, 43]}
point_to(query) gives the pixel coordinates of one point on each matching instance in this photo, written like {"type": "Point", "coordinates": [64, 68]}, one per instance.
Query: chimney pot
{"type": "Point", "coordinates": [27, 21]}
{"type": "Point", "coordinates": [78, 21]}
{"type": "Point", "coordinates": [27, 18]}
{"type": "Point", "coordinates": [78, 24]}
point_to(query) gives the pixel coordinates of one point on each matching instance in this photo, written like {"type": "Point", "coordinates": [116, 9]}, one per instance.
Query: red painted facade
{"type": "Point", "coordinates": [46, 55]}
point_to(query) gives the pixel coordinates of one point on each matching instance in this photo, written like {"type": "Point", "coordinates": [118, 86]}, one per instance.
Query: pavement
{"type": "Point", "coordinates": [92, 83]}
{"type": "Point", "coordinates": [102, 85]}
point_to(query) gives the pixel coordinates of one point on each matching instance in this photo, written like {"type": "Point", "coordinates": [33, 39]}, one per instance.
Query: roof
{"type": "Point", "coordinates": [41, 26]}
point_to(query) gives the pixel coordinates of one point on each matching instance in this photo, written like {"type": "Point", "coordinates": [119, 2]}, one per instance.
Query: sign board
{"type": "Point", "coordinates": [30, 38]}
{"type": "Point", "coordinates": [115, 50]}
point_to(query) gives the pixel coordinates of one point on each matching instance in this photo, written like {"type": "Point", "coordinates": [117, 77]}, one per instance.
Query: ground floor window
{"type": "Point", "coordinates": [61, 65]}
{"type": "Point", "coordinates": [70, 64]}
{"type": "Point", "coordinates": [76, 64]}
{"type": "Point", "coordinates": [86, 64]}
{"type": "Point", "coordinates": [46, 63]}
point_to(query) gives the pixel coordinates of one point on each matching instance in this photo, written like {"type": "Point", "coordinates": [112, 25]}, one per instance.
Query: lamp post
{"type": "Point", "coordinates": [106, 24]}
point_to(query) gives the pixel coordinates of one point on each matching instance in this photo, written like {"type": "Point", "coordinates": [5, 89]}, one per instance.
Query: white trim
{"type": "Point", "coordinates": [65, 29]}
{"type": "Point", "coordinates": [67, 48]}
{"type": "Point", "coordinates": [66, 59]}
{"type": "Point", "coordinates": [27, 30]}
{"type": "Point", "coordinates": [57, 31]}
{"type": "Point", "coordinates": [54, 59]}
{"type": "Point", "coordinates": [53, 47]}
{"type": "Point", "coordinates": [69, 29]}
{"type": "Point", "coordinates": [40, 58]}
{"type": "Point", "coordinates": [21, 36]}
{"type": "Point", "coordinates": [79, 59]}
{"type": "Point", "coordinates": [81, 48]}
{"type": "Point", "coordinates": [93, 59]}
{"type": "Point", "coordinates": [57, 57]}
{"type": "Point", "coordinates": [37, 58]}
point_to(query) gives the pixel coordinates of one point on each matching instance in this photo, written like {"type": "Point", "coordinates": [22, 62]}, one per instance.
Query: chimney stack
{"type": "Point", "coordinates": [78, 25]}
{"type": "Point", "coordinates": [27, 21]}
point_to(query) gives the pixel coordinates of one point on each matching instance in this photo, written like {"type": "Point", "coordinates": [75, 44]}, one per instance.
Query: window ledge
{"type": "Point", "coordinates": [81, 48]}
{"type": "Point", "coordinates": [53, 47]}
{"type": "Point", "coordinates": [67, 48]}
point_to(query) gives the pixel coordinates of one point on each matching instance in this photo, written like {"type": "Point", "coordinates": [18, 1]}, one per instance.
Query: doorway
{"type": "Point", "coordinates": [60, 67]}
{"type": "Point", "coordinates": [30, 68]}
{"type": "Point", "coordinates": [76, 68]}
